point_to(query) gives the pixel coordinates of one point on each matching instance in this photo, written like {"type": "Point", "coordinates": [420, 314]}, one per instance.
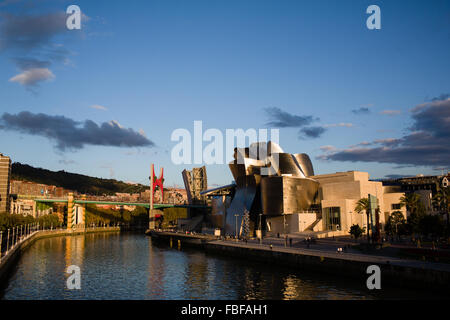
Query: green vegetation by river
{"type": "Point", "coordinates": [8, 221]}
{"type": "Point", "coordinates": [97, 215]}
{"type": "Point", "coordinates": [139, 216]}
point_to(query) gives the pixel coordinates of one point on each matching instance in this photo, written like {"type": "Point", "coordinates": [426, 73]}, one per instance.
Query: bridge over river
{"type": "Point", "coordinates": [119, 203]}
{"type": "Point", "coordinates": [73, 218]}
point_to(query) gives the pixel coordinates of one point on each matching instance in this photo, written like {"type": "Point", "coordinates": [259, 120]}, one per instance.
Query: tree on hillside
{"type": "Point", "coordinates": [73, 181]}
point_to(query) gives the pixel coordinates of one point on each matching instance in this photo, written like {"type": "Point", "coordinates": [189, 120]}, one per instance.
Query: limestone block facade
{"type": "Point", "coordinates": [339, 193]}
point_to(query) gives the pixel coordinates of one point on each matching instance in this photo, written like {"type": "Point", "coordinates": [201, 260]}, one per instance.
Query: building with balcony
{"type": "Point", "coordinates": [5, 173]}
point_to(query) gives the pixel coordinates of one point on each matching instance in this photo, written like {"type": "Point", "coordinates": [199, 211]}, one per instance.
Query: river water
{"type": "Point", "coordinates": [129, 266]}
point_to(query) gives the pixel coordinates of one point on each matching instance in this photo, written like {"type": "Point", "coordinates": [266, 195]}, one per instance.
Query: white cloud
{"type": "Point", "coordinates": [361, 144]}
{"type": "Point", "coordinates": [328, 148]}
{"type": "Point", "coordinates": [341, 124]}
{"type": "Point", "coordinates": [32, 77]}
{"type": "Point", "coordinates": [70, 134]}
{"type": "Point", "coordinates": [98, 107]}
{"type": "Point", "coordinates": [424, 144]}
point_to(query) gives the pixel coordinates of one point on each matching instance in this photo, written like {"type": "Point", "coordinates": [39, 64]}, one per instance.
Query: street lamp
{"type": "Point", "coordinates": [7, 242]}
{"type": "Point", "coordinates": [260, 228]}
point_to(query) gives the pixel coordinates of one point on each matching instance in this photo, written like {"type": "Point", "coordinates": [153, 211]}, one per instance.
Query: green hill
{"type": "Point", "coordinates": [73, 181]}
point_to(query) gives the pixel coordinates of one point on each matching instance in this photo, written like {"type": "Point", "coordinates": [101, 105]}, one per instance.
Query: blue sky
{"type": "Point", "coordinates": [156, 66]}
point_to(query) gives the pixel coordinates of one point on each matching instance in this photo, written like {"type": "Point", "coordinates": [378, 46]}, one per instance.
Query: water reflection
{"type": "Point", "coordinates": [129, 266]}
{"type": "Point", "coordinates": [74, 251]}
{"type": "Point", "coordinates": [155, 270]}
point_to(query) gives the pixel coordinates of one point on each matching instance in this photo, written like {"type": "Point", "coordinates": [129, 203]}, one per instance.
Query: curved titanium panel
{"type": "Point", "coordinates": [272, 195]}
{"type": "Point", "coordinates": [305, 163]}
{"type": "Point", "coordinates": [273, 147]}
{"type": "Point", "coordinates": [243, 200]}
{"type": "Point", "coordinates": [237, 170]}
{"type": "Point", "coordinates": [249, 167]}
{"type": "Point", "coordinates": [276, 180]}
{"type": "Point", "coordinates": [252, 163]}
{"type": "Point", "coordinates": [287, 195]}
{"type": "Point", "coordinates": [287, 164]}
{"type": "Point", "coordinates": [263, 149]}
{"type": "Point", "coordinates": [220, 204]}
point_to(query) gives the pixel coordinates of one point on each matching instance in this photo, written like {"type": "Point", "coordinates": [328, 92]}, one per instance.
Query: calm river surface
{"type": "Point", "coordinates": [128, 266]}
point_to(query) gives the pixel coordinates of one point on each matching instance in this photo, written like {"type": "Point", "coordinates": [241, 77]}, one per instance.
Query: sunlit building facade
{"type": "Point", "coordinates": [5, 173]}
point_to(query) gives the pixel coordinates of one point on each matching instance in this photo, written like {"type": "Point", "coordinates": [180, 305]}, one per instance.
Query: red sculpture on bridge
{"type": "Point", "coordinates": [158, 182]}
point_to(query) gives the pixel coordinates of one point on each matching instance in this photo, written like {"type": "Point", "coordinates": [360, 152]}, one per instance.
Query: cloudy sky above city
{"type": "Point", "coordinates": [105, 99]}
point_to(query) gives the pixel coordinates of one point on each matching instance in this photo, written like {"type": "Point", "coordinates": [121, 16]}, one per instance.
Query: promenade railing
{"type": "Point", "coordinates": [11, 237]}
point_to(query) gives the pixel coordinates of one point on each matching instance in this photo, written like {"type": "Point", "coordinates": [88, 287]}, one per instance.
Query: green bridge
{"type": "Point", "coordinates": [73, 219]}
{"type": "Point", "coordinates": [139, 204]}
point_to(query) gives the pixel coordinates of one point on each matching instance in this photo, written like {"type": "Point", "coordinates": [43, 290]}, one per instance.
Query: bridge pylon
{"type": "Point", "coordinates": [70, 204]}
{"type": "Point", "coordinates": [154, 182]}
{"type": "Point", "coordinates": [83, 212]}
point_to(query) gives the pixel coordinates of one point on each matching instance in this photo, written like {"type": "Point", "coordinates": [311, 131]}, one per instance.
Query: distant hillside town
{"type": "Point", "coordinates": [72, 181]}
{"type": "Point", "coordinates": [20, 184]}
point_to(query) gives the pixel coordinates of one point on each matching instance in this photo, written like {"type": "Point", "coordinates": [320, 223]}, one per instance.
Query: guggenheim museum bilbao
{"type": "Point", "coordinates": [279, 192]}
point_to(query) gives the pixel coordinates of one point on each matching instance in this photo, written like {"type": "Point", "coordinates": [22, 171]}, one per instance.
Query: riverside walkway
{"type": "Point", "coordinates": [327, 253]}
{"type": "Point", "coordinates": [323, 248]}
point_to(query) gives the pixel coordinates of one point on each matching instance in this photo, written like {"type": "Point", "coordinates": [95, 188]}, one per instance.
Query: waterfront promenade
{"type": "Point", "coordinates": [320, 251]}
